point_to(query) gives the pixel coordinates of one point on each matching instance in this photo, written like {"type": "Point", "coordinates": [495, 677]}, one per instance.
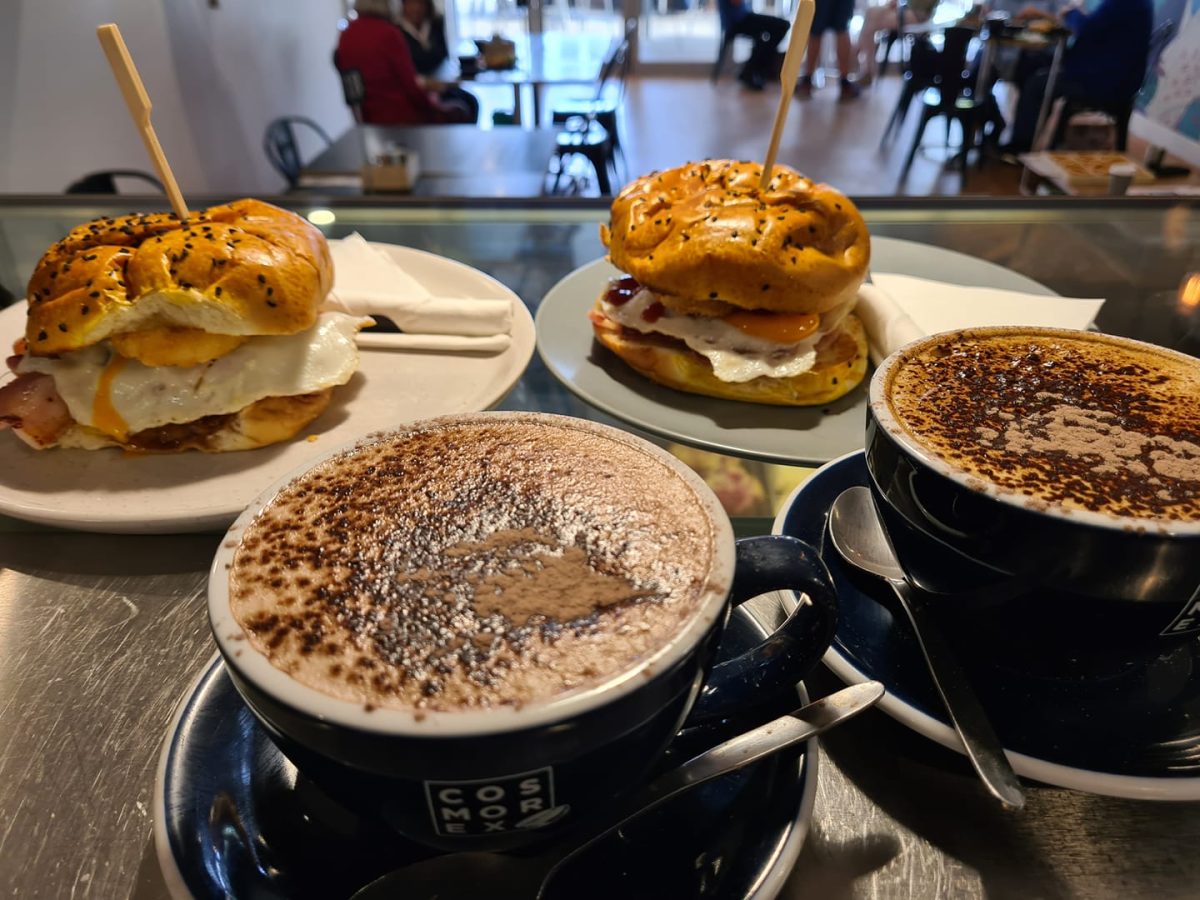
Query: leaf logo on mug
{"type": "Point", "coordinates": [490, 805]}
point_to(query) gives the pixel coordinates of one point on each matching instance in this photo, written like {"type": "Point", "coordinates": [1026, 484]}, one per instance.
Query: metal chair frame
{"type": "Point", "coordinates": [281, 148]}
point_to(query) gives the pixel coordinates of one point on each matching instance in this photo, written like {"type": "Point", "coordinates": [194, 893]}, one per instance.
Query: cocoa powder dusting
{"type": "Point", "coordinates": [1086, 422]}
{"type": "Point", "coordinates": [483, 564]}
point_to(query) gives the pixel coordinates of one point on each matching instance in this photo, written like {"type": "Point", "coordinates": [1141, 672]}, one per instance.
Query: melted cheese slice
{"type": "Point", "coordinates": [736, 356]}
{"type": "Point", "coordinates": [129, 397]}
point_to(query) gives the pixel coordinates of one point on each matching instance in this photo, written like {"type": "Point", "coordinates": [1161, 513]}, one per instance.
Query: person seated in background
{"type": "Point", "coordinates": [1104, 66]}
{"type": "Point", "coordinates": [767, 31]}
{"type": "Point", "coordinates": [1016, 64]}
{"type": "Point", "coordinates": [425, 30]}
{"type": "Point", "coordinates": [881, 19]}
{"type": "Point", "coordinates": [830, 15]}
{"type": "Point", "coordinates": [392, 93]}
{"type": "Point", "coordinates": [1011, 63]}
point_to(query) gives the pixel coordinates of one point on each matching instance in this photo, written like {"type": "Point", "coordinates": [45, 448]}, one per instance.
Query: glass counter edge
{"type": "Point", "coordinates": [419, 209]}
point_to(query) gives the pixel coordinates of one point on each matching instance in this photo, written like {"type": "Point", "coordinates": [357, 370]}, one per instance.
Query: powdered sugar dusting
{"type": "Point", "coordinates": [472, 565]}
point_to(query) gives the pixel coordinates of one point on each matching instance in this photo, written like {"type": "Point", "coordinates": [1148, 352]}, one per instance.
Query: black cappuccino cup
{"type": "Point", "coordinates": [1039, 526]}
{"type": "Point", "coordinates": [459, 764]}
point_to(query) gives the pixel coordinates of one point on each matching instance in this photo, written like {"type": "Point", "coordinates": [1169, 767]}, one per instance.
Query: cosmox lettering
{"type": "Point", "coordinates": [492, 805]}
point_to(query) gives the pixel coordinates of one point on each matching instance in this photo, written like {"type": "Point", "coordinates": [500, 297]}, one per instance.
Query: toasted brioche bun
{"type": "Point", "coordinates": [242, 269]}
{"type": "Point", "coordinates": [267, 421]}
{"type": "Point", "coordinates": [841, 364]}
{"type": "Point", "coordinates": [705, 239]}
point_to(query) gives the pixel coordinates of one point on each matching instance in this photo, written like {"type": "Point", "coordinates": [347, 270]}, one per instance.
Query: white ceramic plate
{"type": "Point", "coordinates": [792, 435]}
{"type": "Point", "coordinates": [104, 490]}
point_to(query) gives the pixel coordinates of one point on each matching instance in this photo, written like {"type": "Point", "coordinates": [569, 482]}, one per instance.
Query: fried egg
{"type": "Point", "coordinates": [120, 396]}
{"type": "Point", "coordinates": [736, 354]}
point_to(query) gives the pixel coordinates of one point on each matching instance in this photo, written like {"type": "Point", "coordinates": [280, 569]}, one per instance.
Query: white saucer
{"type": "Point", "coordinates": [104, 490]}
{"type": "Point", "coordinates": [789, 435]}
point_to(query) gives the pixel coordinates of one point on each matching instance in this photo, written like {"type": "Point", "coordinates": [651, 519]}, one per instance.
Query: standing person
{"type": "Point", "coordinates": [1104, 67]}
{"type": "Point", "coordinates": [830, 15]}
{"type": "Point", "coordinates": [767, 31]}
{"type": "Point", "coordinates": [882, 18]}
{"type": "Point", "coordinates": [425, 31]}
{"type": "Point", "coordinates": [376, 48]}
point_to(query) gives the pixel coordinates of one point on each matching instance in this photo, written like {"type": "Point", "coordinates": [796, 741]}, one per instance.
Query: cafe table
{"type": "Point", "coordinates": [996, 37]}
{"type": "Point", "coordinates": [100, 635]}
{"type": "Point", "coordinates": [546, 59]}
{"type": "Point", "coordinates": [993, 38]}
{"type": "Point", "coordinates": [454, 160]}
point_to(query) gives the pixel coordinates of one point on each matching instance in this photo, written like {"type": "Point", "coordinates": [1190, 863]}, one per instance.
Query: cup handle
{"type": "Point", "coordinates": [770, 563]}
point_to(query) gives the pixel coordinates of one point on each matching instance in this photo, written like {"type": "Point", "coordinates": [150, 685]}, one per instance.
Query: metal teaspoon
{"type": "Point", "coordinates": [860, 537]}
{"type": "Point", "coordinates": [469, 875]}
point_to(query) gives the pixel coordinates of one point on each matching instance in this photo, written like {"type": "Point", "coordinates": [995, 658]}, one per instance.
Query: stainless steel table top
{"type": "Point", "coordinates": [100, 635]}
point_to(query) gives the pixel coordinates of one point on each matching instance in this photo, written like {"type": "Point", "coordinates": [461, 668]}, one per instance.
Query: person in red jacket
{"type": "Point", "coordinates": [393, 94]}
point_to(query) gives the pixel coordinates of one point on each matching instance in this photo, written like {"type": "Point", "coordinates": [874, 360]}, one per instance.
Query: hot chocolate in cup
{"type": "Point", "coordinates": [480, 628]}
{"type": "Point", "coordinates": [1062, 465]}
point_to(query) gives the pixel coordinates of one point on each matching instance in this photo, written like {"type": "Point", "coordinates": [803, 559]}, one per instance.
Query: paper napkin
{"type": "Point", "coordinates": [367, 281]}
{"type": "Point", "coordinates": [898, 309]}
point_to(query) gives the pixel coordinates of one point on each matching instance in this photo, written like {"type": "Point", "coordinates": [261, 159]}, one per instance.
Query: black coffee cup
{"type": "Point", "coordinates": [1054, 589]}
{"type": "Point", "coordinates": [500, 778]}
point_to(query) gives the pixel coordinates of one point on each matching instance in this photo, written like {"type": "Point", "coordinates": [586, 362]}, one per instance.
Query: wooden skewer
{"type": "Point", "coordinates": [138, 102]}
{"type": "Point", "coordinates": [801, 26]}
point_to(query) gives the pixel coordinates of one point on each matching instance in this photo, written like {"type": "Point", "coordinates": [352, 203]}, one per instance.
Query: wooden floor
{"type": "Point", "coordinates": [670, 121]}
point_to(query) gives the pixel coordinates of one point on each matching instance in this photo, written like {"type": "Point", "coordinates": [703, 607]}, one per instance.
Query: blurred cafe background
{"type": "Point", "coordinates": [575, 97]}
{"type": "Point", "coordinates": [1035, 146]}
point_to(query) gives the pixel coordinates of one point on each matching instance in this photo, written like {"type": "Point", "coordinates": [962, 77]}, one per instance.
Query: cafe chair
{"type": "Point", "coordinates": [603, 106]}
{"type": "Point", "coordinates": [282, 148]}
{"type": "Point", "coordinates": [724, 51]}
{"type": "Point", "coordinates": [1119, 112]}
{"type": "Point", "coordinates": [586, 137]}
{"type": "Point", "coordinates": [921, 68]}
{"type": "Point", "coordinates": [354, 92]}
{"type": "Point", "coordinates": [106, 182]}
{"type": "Point", "coordinates": [888, 40]}
{"type": "Point", "coordinates": [951, 97]}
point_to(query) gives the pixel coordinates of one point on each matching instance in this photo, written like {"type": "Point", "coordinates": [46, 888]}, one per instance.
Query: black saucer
{"type": "Point", "coordinates": [234, 819]}
{"type": "Point", "coordinates": [1133, 731]}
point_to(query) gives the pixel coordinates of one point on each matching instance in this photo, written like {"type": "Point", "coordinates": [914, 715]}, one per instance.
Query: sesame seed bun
{"type": "Point", "coordinates": [706, 240]}
{"type": "Point", "coordinates": [230, 272]}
